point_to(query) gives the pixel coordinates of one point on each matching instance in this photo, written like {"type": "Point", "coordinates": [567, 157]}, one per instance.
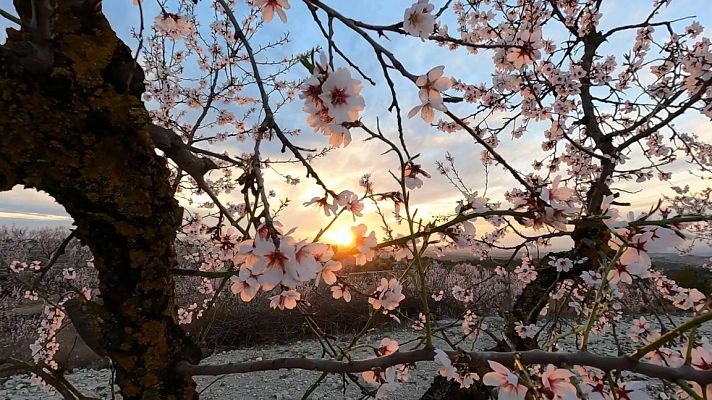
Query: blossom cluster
{"type": "Point", "coordinates": [332, 101]}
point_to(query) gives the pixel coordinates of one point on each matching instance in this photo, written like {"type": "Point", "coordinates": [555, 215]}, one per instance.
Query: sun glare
{"type": "Point", "coordinates": [341, 238]}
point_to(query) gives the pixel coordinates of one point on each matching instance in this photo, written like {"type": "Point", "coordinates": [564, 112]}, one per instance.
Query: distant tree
{"type": "Point", "coordinates": [693, 277]}
{"type": "Point", "coordinates": [117, 137]}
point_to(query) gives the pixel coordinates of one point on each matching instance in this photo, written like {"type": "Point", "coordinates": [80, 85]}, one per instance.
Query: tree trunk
{"type": "Point", "coordinates": [590, 241]}
{"type": "Point", "coordinates": [72, 124]}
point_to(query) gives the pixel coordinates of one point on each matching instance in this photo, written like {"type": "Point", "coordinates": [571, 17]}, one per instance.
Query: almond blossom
{"type": "Point", "coordinates": [31, 295]}
{"type": "Point", "coordinates": [245, 255]}
{"type": "Point", "coordinates": [276, 265]}
{"type": "Point", "coordinates": [638, 328]}
{"type": "Point", "coordinates": [327, 272]}
{"type": "Point", "coordinates": [173, 25]}
{"type": "Point", "coordinates": [432, 84]}
{"type": "Point", "coordinates": [269, 7]}
{"type": "Point", "coordinates": [343, 198]}
{"type": "Point", "coordinates": [525, 331]}
{"type": "Point", "coordinates": [323, 202]}
{"type": "Point", "coordinates": [402, 252]}
{"type": "Point", "coordinates": [686, 299]}
{"type": "Point", "coordinates": [387, 295]}
{"type": "Point", "coordinates": [701, 359]}
{"type": "Point", "coordinates": [461, 294]}
{"type": "Point", "coordinates": [507, 382]}
{"type": "Point", "coordinates": [418, 21]}
{"type": "Point", "coordinates": [330, 100]}
{"type": "Point", "coordinates": [322, 252]}
{"type": "Point", "coordinates": [528, 41]}
{"type": "Point", "coordinates": [387, 346]}
{"type": "Point", "coordinates": [625, 273]}
{"type": "Point", "coordinates": [17, 266]}
{"type": "Point", "coordinates": [341, 95]}
{"type": "Point", "coordinates": [69, 273]}
{"type": "Point", "coordinates": [411, 172]}
{"type": "Point", "coordinates": [447, 370]}
{"type": "Point", "coordinates": [465, 235]}
{"type": "Point", "coordinates": [245, 283]}
{"type": "Point", "coordinates": [227, 239]}
{"type": "Point", "coordinates": [562, 264]}
{"type": "Point", "coordinates": [557, 197]}
{"type": "Point", "coordinates": [467, 379]}
{"type": "Point", "coordinates": [307, 267]}
{"type": "Point", "coordinates": [389, 385]}
{"type": "Point", "coordinates": [525, 272]}
{"type": "Point", "coordinates": [365, 245]}
{"type": "Point", "coordinates": [427, 110]}
{"type": "Point", "coordinates": [430, 87]}
{"type": "Point", "coordinates": [340, 291]}
{"type": "Point", "coordinates": [634, 390]}
{"type": "Point", "coordinates": [354, 206]}
{"type": "Point", "coordinates": [557, 382]}
{"type": "Point", "coordinates": [475, 202]}
{"type": "Point", "coordinates": [339, 136]}
{"type": "Point", "coordinates": [287, 299]}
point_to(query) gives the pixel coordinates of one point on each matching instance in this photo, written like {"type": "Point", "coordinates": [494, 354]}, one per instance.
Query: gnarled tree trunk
{"type": "Point", "coordinates": [72, 124]}
{"type": "Point", "coordinates": [590, 241]}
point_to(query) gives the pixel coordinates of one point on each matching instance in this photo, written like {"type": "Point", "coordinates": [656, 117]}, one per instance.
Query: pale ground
{"type": "Point", "coordinates": [285, 384]}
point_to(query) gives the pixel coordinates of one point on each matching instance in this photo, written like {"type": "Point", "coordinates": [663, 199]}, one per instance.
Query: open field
{"type": "Point", "coordinates": [292, 384]}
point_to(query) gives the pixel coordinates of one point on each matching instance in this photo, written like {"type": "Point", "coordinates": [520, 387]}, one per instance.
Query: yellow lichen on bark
{"type": "Point", "coordinates": [79, 132]}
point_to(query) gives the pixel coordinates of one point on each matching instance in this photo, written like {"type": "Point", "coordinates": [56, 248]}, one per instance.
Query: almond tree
{"type": "Point", "coordinates": [118, 136]}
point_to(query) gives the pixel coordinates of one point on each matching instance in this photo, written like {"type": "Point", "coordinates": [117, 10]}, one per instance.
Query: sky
{"type": "Point", "coordinates": [342, 168]}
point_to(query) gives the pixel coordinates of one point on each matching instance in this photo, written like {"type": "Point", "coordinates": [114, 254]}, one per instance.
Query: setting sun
{"type": "Point", "coordinates": [341, 237]}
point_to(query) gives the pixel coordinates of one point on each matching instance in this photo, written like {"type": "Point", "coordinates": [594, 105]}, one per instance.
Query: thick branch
{"type": "Point", "coordinates": [171, 144]}
{"type": "Point", "coordinates": [605, 363]}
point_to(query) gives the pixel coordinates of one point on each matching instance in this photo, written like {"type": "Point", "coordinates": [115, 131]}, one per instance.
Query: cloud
{"type": "Point", "coordinates": [8, 214]}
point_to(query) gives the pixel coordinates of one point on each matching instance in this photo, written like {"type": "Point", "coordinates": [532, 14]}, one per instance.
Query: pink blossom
{"type": "Point", "coordinates": [323, 202]}
{"type": "Point", "coordinates": [287, 299]}
{"type": "Point", "coordinates": [341, 95]}
{"type": "Point", "coordinates": [387, 295]}
{"type": "Point", "coordinates": [341, 291]}
{"type": "Point", "coordinates": [173, 25]}
{"type": "Point", "coordinates": [246, 284]}
{"type": "Point", "coordinates": [387, 346]}
{"type": "Point", "coordinates": [365, 245]}
{"type": "Point", "coordinates": [427, 110]}
{"type": "Point", "coordinates": [561, 264]}
{"type": "Point", "coordinates": [526, 51]}
{"type": "Point", "coordinates": [506, 381]}
{"type": "Point", "coordinates": [634, 390]}
{"type": "Point", "coordinates": [322, 252]}
{"type": "Point", "coordinates": [467, 379]}
{"type": "Point", "coordinates": [432, 84]}
{"type": "Point", "coordinates": [69, 273]}
{"type": "Point", "coordinates": [411, 172]}
{"type": "Point", "coordinates": [525, 331]}
{"type": "Point", "coordinates": [447, 370]}
{"type": "Point", "coordinates": [625, 273]}
{"type": "Point", "coordinates": [430, 87]}
{"type": "Point", "coordinates": [276, 265]}
{"type": "Point", "coordinates": [269, 7]}
{"type": "Point", "coordinates": [327, 272]}
{"type": "Point", "coordinates": [31, 295]}
{"type": "Point", "coordinates": [307, 267]}
{"type": "Point", "coordinates": [556, 380]}
{"type": "Point", "coordinates": [418, 21]}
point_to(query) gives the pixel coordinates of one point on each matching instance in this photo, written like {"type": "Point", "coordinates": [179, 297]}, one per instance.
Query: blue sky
{"type": "Point", "coordinates": [343, 167]}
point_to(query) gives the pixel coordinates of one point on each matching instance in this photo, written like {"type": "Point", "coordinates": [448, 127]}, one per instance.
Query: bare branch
{"type": "Point", "coordinates": [476, 359]}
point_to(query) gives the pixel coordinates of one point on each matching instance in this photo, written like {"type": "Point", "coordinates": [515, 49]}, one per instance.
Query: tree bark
{"type": "Point", "coordinates": [590, 241]}
{"type": "Point", "coordinates": [73, 125]}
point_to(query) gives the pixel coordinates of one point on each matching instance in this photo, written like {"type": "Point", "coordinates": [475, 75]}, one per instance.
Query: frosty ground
{"type": "Point", "coordinates": [285, 384]}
